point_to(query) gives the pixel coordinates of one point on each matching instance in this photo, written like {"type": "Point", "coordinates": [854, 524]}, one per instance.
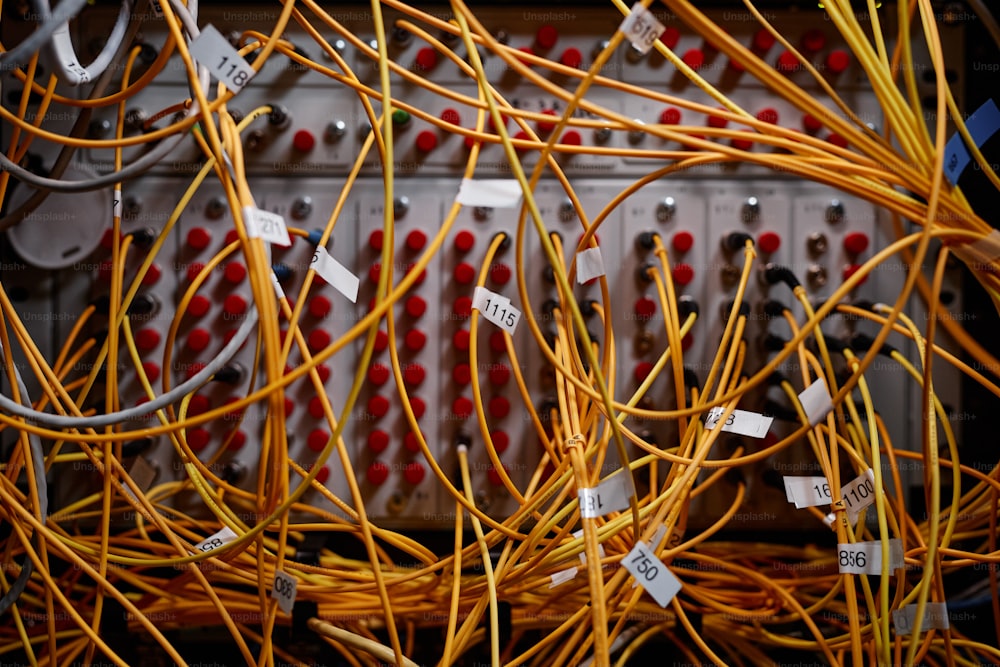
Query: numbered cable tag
{"type": "Point", "coordinates": [741, 422]}
{"type": "Point", "coordinates": [335, 273]}
{"type": "Point", "coordinates": [562, 576]}
{"type": "Point", "coordinates": [866, 557]}
{"type": "Point", "coordinates": [982, 125]}
{"type": "Point", "coordinates": [496, 308]}
{"type": "Point", "coordinates": [815, 400]}
{"type": "Point", "coordinates": [266, 225]}
{"type": "Point", "coordinates": [116, 204]}
{"type": "Point", "coordinates": [807, 491]}
{"type": "Point", "coordinates": [611, 495]}
{"type": "Point", "coordinates": [224, 536]}
{"type": "Point", "coordinates": [859, 493]}
{"type": "Point", "coordinates": [641, 28]}
{"type": "Point", "coordinates": [652, 574]}
{"type": "Point", "coordinates": [935, 618]}
{"type": "Point", "coordinates": [279, 292]}
{"type": "Point", "coordinates": [489, 193]}
{"type": "Point", "coordinates": [589, 265]}
{"type": "Point", "coordinates": [215, 52]}
{"type": "Point", "coordinates": [583, 554]}
{"type": "Point", "coordinates": [283, 590]}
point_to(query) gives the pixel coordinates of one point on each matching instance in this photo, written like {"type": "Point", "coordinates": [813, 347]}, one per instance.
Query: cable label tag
{"type": "Point", "coordinates": [866, 557]}
{"type": "Point", "coordinates": [859, 493]}
{"type": "Point", "coordinates": [489, 193]}
{"type": "Point", "coordinates": [143, 474]}
{"type": "Point", "coordinates": [652, 574]}
{"type": "Point", "coordinates": [283, 590]}
{"type": "Point", "coordinates": [654, 541]}
{"type": "Point", "coordinates": [641, 28]}
{"type": "Point", "coordinates": [335, 273]}
{"type": "Point", "coordinates": [815, 400]}
{"type": "Point", "coordinates": [741, 422]}
{"type": "Point", "coordinates": [277, 286]}
{"type": "Point", "coordinates": [611, 495]}
{"type": "Point", "coordinates": [116, 204]}
{"type": "Point", "coordinates": [807, 491]}
{"type": "Point", "coordinates": [496, 309]}
{"type": "Point", "coordinates": [562, 576]}
{"type": "Point", "coordinates": [157, 10]}
{"type": "Point", "coordinates": [224, 536]}
{"type": "Point", "coordinates": [266, 225]}
{"type": "Point", "coordinates": [981, 125]}
{"type": "Point", "coordinates": [583, 554]}
{"type": "Point", "coordinates": [935, 618]}
{"type": "Point", "coordinates": [215, 52]}
{"type": "Point", "coordinates": [589, 265]}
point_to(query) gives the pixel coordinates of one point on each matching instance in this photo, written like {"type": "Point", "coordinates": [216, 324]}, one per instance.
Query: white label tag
{"type": "Point", "coordinates": [143, 474]}
{"type": "Point", "coordinates": [589, 265]}
{"type": "Point", "coordinates": [583, 554]}
{"type": "Point", "coordinates": [266, 225]}
{"type": "Point", "coordinates": [866, 557]}
{"type": "Point", "coordinates": [815, 400]}
{"type": "Point", "coordinates": [611, 495]}
{"type": "Point", "coordinates": [654, 541]}
{"type": "Point", "coordinates": [213, 51]}
{"type": "Point", "coordinates": [277, 286]}
{"type": "Point", "coordinates": [336, 274]}
{"type": "Point", "coordinates": [562, 576]}
{"type": "Point", "coordinates": [652, 574]}
{"type": "Point", "coordinates": [496, 308]}
{"type": "Point", "coordinates": [935, 618]}
{"type": "Point", "coordinates": [489, 193]}
{"type": "Point", "coordinates": [283, 590]}
{"type": "Point", "coordinates": [116, 204]}
{"type": "Point", "coordinates": [224, 536]}
{"type": "Point", "coordinates": [807, 491]}
{"type": "Point", "coordinates": [859, 493]}
{"type": "Point", "coordinates": [740, 422]}
{"type": "Point", "coordinates": [641, 28]}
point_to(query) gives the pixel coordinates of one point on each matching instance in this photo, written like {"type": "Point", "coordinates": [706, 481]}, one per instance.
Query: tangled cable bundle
{"type": "Point", "coordinates": [598, 560]}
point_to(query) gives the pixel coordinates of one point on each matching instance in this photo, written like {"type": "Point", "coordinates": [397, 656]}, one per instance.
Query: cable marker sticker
{"type": "Point", "coordinates": [807, 491]}
{"type": "Point", "coordinates": [866, 557]}
{"type": "Point", "coordinates": [336, 274]}
{"type": "Point", "coordinates": [589, 265]}
{"type": "Point", "coordinates": [583, 554]}
{"type": "Point", "coordinates": [815, 400]}
{"type": "Point", "coordinates": [215, 52]}
{"type": "Point", "coordinates": [496, 309]}
{"type": "Point", "coordinates": [982, 125]}
{"type": "Point", "coordinates": [489, 192]}
{"type": "Point", "coordinates": [283, 590]}
{"type": "Point", "coordinates": [562, 576]}
{"type": "Point", "coordinates": [641, 28]}
{"type": "Point", "coordinates": [611, 495]}
{"type": "Point", "coordinates": [224, 536]}
{"type": "Point", "coordinates": [935, 618]}
{"type": "Point", "coordinates": [741, 422]}
{"type": "Point", "coordinates": [652, 574]}
{"type": "Point", "coordinates": [266, 225]}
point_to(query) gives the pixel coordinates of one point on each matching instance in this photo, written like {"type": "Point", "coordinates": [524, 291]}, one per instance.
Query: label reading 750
{"type": "Point", "coordinates": [652, 574]}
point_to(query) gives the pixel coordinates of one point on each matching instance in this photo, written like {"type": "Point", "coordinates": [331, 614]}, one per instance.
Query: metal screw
{"type": "Point", "coordinates": [835, 212]}
{"type": "Point", "coordinates": [816, 275]}
{"type": "Point", "coordinates": [817, 243]}
{"type": "Point", "coordinates": [131, 206]}
{"type": "Point", "coordinates": [335, 130]}
{"type": "Point", "coordinates": [400, 205]}
{"type": "Point", "coordinates": [215, 208]}
{"type": "Point", "coordinates": [482, 213]}
{"type": "Point", "coordinates": [302, 207]}
{"type": "Point", "coordinates": [751, 210]}
{"type": "Point", "coordinates": [602, 135]}
{"type": "Point", "coordinates": [666, 209]}
{"type": "Point", "coordinates": [567, 212]}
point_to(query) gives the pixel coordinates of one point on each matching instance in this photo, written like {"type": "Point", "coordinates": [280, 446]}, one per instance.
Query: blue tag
{"type": "Point", "coordinates": [982, 125]}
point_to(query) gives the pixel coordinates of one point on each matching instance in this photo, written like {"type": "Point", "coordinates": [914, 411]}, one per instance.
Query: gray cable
{"type": "Point", "coordinates": [14, 58]}
{"type": "Point", "coordinates": [41, 484]}
{"type": "Point", "coordinates": [62, 56]}
{"type": "Point", "coordinates": [175, 394]}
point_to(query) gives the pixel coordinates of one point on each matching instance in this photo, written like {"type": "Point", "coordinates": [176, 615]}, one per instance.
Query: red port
{"type": "Point", "coordinates": [501, 441]}
{"type": "Point", "coordinates": [768, 115]}
{"type": "Point", "coordinates": [415, 340]}
{"type": "Point", "coordinates": [461, 340]}
{"type": "Point", "coordinates": [763, 40]}
{"type": "Point", "coordinates": [464, 273]}
{"type": "Point", "coordinates": [500, 274]}
{"type": "Point", "coordinates": [414, 472]}
{"type": "Point", "coordinates": [645, 308]}
{"type": "Point", "coordinates": [152, 275]}
{"type": "Point", "coordinates": [235, 272]}
{"type": "Point", "coordinates": [682, 242]}
{"type": "Point", "coordinates": [461, 374]}
{"type": "Point", "coordinates": [378, 406]}
{"type": "Point", "coordinates": [768, 242]}
{"type": "Point", "coordinates": [811, 124]}
{"type": "Point", "coordinates": [376, 239]}
{"type": "Point", "coordinates": [499, 407]}
{"type": "Point", "coordinates": [787, 63]}
{"type": "Point", "coordinates": [499, 375]}
{"type": "Point", "coordinates": [197, 439]}
{"type": "Point", "coordinates": [426, 141]}
{"type": "Point", "coordinates": [151, 370]}
{"type": "Point", "coordinates": [670, 116]}
{"type": "Point", "coordinates": [683, 274]}
{"type": "Point", "coordinates": [198, 339]}
{"type": "Point", "coordinates": [320, 306]}
{"type": "Point", "coordinates": [317, 340]}
{"type": "Point", "coordinates": [813, 40]}
{"type": "Point", "coordinates": [198, 305]}
{"type": "Point", "coordinates": [378, 440]}
{"type": "Point", "coordinates": [377, 473]}
{"type": "Point", "coordinates": [317, 439]}
{"type": "Point", "coordinates": [147, 339]}
{"type": "Point", "coordinates": [414, 375]}
{"type": "Point", "coordinates": [571, 138]}
{"type": "Point", "coordinates": [462, 307]}
{"type": "Point", "coordinates": [571, 57]}
{"type": "Point", "coordinates": [416, 306]}
{"type": "Point", "coordinates": [198, 238]}
{"type": "Point", "coordinates": [837, 61]}
{"type": "Point", "coordinates": [642, 370]}
{"type": "Point", "coordinates": [464, 241]}
{"type": "Point", "coordinates": [381, 341]}
{"type": "Point", "coordinates": [416, 239]}
{"type": "Point", "coordinates": [547, 36]}
{"type": "Point", "coordinates": [670, 37]}
{"type": "Point", "coordinates": [411, 442]}
{"type": "Point", "coordinates": [303, 141]}
{"type": "Point", "coordinates": [234, 305]}
{"type": "Point", "coordinates": [378, 374]}
{"type": "Point", "coordinates": [855, 243]}
{"type": "Point", "coordinates": [451, 116]}
{"type": "Point", "coordinates": [694, 58]}
{"type": "Point", "coordinates": [462, 407]}
{"type": "Point", "coordinates": [427, 59]}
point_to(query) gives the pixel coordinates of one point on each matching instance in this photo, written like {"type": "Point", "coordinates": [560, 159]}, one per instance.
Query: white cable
{"type": "Point", "coordinates": [62, 56]}
{"type": "Point", "coordinates": [17, 56]}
